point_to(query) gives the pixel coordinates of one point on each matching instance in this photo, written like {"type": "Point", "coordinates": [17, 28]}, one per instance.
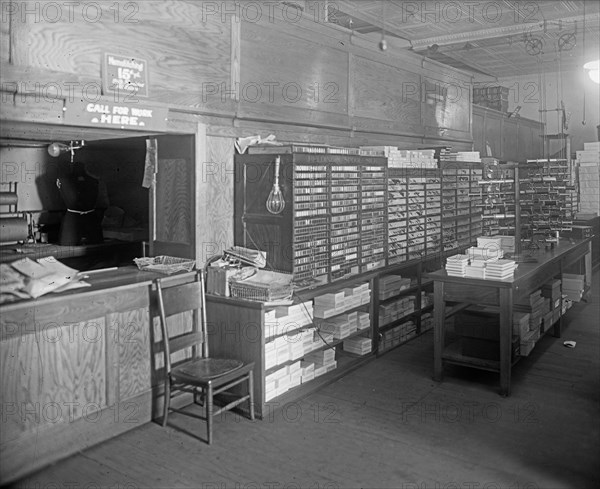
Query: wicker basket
{"type": "Point", "coordinates": [165, 264]}
{"type": "Point", "coordinates": [265, 286]}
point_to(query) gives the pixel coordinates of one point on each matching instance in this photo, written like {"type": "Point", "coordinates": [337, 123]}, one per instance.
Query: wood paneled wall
{"type": "Point", "coordinates": [239, 72]}
{"type": "Point", "coordinates": [510, 139]}
{"type": "Point", "coordinates": [232, 69]}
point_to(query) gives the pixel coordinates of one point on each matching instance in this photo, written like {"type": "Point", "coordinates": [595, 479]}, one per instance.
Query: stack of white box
{"type": "Point", "coordinates": [338, 326]}
{"type": "Point", "coordinates": [589, 178]}
{"type": "Point", "coordinates": [573, 286]}
{"type": "Point", "coordinates": [324, 361]}
{"type": "Point", "coordinates": [363, 320]}
{"type": "Point", "coordinates": [358, 345]}
{"type": "Point", "coordinates": [285, 319]}
{"type": "Point", "coordinates": [328, 305]}
{"type": "Point", "coordinates": [390, 311]}
{"type": "Point", "coordinates": [317, 340]}
{"type": "Point", "coordinates": [282, 380]}
{"type": "Point", "coordinates": [307, 370]}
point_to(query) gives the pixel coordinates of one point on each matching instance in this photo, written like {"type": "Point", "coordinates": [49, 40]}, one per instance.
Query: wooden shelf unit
{"type": "Point", "coordinates": [334, 224]}
{"type": "Point", "coordinates": [461, 218]}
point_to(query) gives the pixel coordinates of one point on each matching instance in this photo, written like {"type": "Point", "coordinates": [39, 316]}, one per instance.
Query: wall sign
{"type": "Point", "coordinates": [124, 76]}
{"type": "Point", "coordinates": [115, 115]}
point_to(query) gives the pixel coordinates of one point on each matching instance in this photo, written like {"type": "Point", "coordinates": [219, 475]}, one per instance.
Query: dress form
{"type": "Point", "coordinates": [81, 223]}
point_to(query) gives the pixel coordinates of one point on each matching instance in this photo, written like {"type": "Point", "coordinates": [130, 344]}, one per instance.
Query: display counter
{"type": "Point", "coordinates": [77, 368]}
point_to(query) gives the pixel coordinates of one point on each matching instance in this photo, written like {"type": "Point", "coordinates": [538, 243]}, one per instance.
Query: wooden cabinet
{"type": "Point", "coordinates": [334, 221]}
{"type": "Point", "coordinates": [283, 342]}
{"type": "Point", "coordinates": [509, 138]}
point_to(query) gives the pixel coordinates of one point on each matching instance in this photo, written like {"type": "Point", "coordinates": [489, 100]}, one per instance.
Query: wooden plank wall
{"type": "Point", "coordinates": [511, 139]}
{"type": "Point", "coordinates": [239, 72]}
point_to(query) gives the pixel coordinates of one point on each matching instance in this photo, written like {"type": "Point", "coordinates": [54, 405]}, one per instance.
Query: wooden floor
{"type": "Point", "coordinates": [386, 424]}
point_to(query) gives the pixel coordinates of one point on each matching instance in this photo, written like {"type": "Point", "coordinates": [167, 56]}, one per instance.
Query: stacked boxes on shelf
{"type": "Point", "coordinates": [397, 335]}
{"type": "Point", "coordinates": [282, 380]}
{"type": "Point", "coordinates": [332, 304]}
{"type": "Point", "coordinates": [535, 307]}
{"type": "Point", "coordinates": [286, 319]}
{"type": "Point", "coordinates": [573, 286]}
{"type": "Point", "coordinates": [323, 361]}
{"type": "Point", "coordinates": [403, 158]}
{"type": "Point", "coordinates": [394, 310]}
{"type": "Point", "coordinates": [392, 285]}
{"type": "Point", "coordinates": [552, 291]}
{"type": "Point", "coordinates": [426, 322]}
{"type": "Point", "coordinates": [534, 304]}
{"type": "Point", "coordinates": [359, 345]}
{"type": "Point", "coordinates": [588, 162]}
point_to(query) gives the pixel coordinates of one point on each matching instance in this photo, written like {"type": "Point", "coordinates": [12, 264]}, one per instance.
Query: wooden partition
{"type": "Point", "coordinates": [77, 369]}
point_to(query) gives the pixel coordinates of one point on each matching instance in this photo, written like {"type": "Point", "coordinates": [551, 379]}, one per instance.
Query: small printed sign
{"type": "Point", "coordinates": [115, 115]}
{"type": "Point", "coordinates": [124, 75]}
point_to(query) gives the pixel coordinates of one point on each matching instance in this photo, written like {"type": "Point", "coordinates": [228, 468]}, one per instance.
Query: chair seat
{"type": "Point", "coordinates": [206, 368]}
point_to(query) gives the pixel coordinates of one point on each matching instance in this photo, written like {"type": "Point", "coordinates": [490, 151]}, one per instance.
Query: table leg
{"type": "Point", "coordinates": [439, 319]}
{"type": "Point", "coordinates": [506, 312]}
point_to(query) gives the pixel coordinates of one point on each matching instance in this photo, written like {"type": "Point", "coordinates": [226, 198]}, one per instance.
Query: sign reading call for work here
{"type": "Point", "coordinates": [124, 75]}
{"type": "Point", "coordinates": [102, 113]}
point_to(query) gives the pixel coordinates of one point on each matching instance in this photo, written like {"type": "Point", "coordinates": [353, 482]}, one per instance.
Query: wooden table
{"type": "Point", "coordinates": [530, 275]}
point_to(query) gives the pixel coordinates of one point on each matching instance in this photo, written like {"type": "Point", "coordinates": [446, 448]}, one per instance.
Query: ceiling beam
{"type": "Point", "coordinates": [506, 31]}
{"type": "Point", "coordinates": [348, 7]}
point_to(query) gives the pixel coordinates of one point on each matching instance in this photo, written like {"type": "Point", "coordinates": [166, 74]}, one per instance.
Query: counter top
{"type": "Point", "coordinates": [9, 253]}
{"type": "Point", "coordinates": [100, 281]}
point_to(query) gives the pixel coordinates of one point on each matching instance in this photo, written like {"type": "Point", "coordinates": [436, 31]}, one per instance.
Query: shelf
{"type": "Point", "coordinates": [344, 366]}
{"type": "Point", "coordinates": [453, 354]}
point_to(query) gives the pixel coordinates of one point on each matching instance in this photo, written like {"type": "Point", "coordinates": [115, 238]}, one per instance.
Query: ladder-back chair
{"type": "Point", "coordinates": [200, 374]}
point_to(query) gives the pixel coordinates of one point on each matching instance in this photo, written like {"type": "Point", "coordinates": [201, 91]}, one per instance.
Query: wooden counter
{"type": "Point", "coordinates": [77, 368]}
{"type": "Point", "coordinates": [528, 277]}
{"type": "Point", "coordinates": [111, 252]}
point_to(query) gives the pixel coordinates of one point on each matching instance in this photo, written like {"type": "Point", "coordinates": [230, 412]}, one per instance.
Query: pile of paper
{"type": "Point", "coordinates": [25, 278]}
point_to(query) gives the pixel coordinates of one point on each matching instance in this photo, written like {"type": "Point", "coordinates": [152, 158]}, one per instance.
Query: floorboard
{"type": "Point", "coordinates": [387, 424]}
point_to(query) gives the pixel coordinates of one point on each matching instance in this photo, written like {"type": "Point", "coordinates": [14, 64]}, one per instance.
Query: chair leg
{"type": "Point", "coordinates": [209, 412]}
{"type": "Point", "coordinates": [167, 400]}
{"type": "Point", "coordinates": [199, 396]}
{"type": "Point", "coordinates": [251, 393]}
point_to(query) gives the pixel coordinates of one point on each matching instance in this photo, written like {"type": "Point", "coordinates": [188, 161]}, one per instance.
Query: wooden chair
{"type": "Point", "coordinates": [199, 374]}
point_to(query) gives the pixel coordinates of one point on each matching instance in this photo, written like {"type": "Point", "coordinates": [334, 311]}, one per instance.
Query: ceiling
{"type": "Point", "coordinates": [499, 39]}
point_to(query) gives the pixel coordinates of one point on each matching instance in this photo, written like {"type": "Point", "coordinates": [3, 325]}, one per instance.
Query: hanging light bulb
{"type": "Point", "coordinates": [275, 202]}
{"type": "Point", "coordinates": [56, 149]}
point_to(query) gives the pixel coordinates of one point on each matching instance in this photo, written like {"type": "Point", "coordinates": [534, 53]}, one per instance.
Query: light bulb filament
{"type": "Point", "coordinates": [275, 201]}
